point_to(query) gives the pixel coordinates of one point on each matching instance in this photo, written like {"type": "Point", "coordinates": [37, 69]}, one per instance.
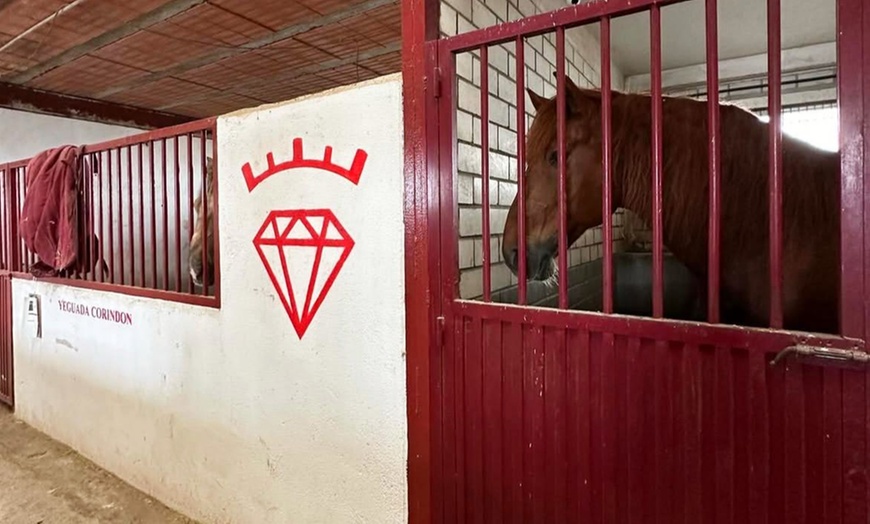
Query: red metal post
{"type": "Point", "coordinates": [190, 199]}
{"type": "Point", "coordinates": [484, 170]}
{"type": "Point", "coordinates": [713, 255]}
{"type": "Point", "coordinates": [774, 105]}
{"type": "Point", "coordinates": [215, 226]}
{"type": "Point", "coordinates": [18, 261]}
{"type": "Point", "coordinates": [4, 218]}
{"type": "Point", "coordinates": [204, 221]}
{"type": "Point", "coordinates": [562, 152]}
{"type": "Point", "coordinates": [95, 234]}
{"type": "Point", "coordinates": [120, 214]}
{"type": "Point", "coordinates": [131, 228]}
{"type": "Point", "coordinates": [657, 223]}
{"type": "Point", "coordinates": [152, 182]}
{"type": "Point", "coordinates": [111, 224]}
{"type": "Point", "coordinates": [606, 166]}
{"type": "Point", "coordinates": [420, 24]}
{"type": "Point", "coordinates": [177, 172]}
{"type": "Point", "coordinates": [853, 88]}
{"type": "Point", "coordinates": [141, 217]}
{"type": "Point", "coordinates": [100, 218]}
{"type": "Point", "coordinates": [165, 197]}
{"type": "Point", "coordinates": [521, 170]}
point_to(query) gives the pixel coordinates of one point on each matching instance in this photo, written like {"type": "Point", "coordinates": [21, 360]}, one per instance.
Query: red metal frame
{"type": "Point", "coordinates": [7, 367]}
{"type": "Point", "coordinates": [423, 323]}
{"type": "Point", "coordinates": [561, 115]}
{"type": "Point", "coordinates": [111, 153]}
{"type": "Point", "coordinates": [460, 442]}
{"type": "Point", "coordinates": [606, 167]}
{"type": "Point", "coordinates": [713, 240]}
{"type": "Point", "coordinates": [484, 171]}
{"type": "Point", "coordinates": [655, 21]}
{"type": "Point", "coordinates": [774, 79]}
{"type": "Point", "coordinates": [521, 163]}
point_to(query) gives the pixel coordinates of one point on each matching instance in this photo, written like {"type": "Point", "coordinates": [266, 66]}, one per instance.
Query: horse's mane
{"type": "Point", "coordinates": [810, 188]}
{"type": "Point", "coordinates": [809, 191]}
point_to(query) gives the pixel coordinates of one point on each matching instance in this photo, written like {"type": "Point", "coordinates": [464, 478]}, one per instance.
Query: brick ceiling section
{"type": "Point", "coordinates": [40, 34]}
{"type": "Point", "coordinates": [205, 57]}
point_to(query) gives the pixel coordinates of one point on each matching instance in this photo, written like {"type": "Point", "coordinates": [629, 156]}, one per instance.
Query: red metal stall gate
{"type": "Point", "coordinates": [8, 254]}
{"type": "Point", "coordinates": [555, 416]}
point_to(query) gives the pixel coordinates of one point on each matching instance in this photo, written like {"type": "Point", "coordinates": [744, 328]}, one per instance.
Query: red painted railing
{"type": "Point", "coordinates": [516, 33]}
{"type": "Point", "coordinates": [138, 194]}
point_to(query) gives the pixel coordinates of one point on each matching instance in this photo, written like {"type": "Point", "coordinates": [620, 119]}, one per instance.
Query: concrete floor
{"type": "Point", "coordinates": [45, 482]}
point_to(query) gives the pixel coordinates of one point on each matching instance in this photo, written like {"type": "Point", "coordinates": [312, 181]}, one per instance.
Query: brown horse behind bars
{"type": "Point", "coordinates": [195, 258]}
{"type": "Point", "coordinates": [810, 232]}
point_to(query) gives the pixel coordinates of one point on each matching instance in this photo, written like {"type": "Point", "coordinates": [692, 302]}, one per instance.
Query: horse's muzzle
{"type": "Point", "coordinates": [539, 261]}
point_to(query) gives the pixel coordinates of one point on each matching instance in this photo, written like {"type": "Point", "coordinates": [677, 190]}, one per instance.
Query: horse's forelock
{"type": "Point", "coordinates": [542, 133]}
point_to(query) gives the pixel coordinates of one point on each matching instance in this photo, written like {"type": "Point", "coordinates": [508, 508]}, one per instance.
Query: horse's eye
{"type": "Point", "coordinates": [553, 159]}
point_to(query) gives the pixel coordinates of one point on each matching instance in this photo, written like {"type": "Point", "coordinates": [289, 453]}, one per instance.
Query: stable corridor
{"type": "Point", "coordinates": [45, 482]}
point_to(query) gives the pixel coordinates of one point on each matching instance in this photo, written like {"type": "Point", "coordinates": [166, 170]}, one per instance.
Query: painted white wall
{"type": "Point", "coordinates": [226, 414]}
{"type": "Point", "coordinates": [26, 134]}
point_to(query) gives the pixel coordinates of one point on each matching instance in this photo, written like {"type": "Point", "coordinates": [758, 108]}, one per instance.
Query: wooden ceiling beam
{"type": "Point", "coordinates": [277, 36]}
{"type": "Point", "coordinates": [49, 103]}
{"type": "Point", "coordinates": [301, 72]}
{"type": "Point", "coordinates": [162, 13]}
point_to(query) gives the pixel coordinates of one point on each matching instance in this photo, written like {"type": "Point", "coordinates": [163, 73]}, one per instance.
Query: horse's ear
{"type": "Point", "coordinates": [537, 100]}
{"type": "Point", "coordinates": [577, 95]}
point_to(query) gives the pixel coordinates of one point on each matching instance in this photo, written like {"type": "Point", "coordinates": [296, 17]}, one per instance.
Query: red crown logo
{"type": "Point", "coordinates": [353, 173]}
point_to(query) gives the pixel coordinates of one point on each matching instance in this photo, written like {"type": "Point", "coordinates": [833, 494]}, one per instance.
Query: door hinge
{"type": "Point", "coordinates": [843, 356]}
{"type": "Point", "coordinates": [436, 83]}
{"type": "Point", "coordinates": [439, 332]}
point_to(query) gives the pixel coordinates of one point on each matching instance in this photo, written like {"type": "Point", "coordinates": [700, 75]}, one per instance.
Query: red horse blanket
{"type": "Point", "coordinates": [53, 224]}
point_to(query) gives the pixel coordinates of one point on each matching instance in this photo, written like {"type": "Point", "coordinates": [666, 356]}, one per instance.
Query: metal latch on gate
{"type": "Point", "coordinates": [844, 356]}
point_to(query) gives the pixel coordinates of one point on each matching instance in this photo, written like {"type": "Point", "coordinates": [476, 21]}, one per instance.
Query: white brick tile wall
{"type": "Point", "coordinates": [582, 65]}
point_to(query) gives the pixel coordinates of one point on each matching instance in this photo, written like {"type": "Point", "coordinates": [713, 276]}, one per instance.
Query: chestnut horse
{"type": "Point", "coordinates": [810, 195]}
{"type": "Point", "coordinates": [194, 258]}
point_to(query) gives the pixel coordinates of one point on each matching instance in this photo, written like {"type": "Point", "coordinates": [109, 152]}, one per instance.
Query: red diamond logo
{"type": "Point", "coordinates": [298, 247]}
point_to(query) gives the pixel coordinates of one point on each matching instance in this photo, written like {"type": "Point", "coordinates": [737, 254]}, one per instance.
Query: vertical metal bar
{"type": "Point", "coordinates": [141, 217]}
{"type": "Point", "coordinates": [853, 94]}
{"type": "Point", "coordinates": [484, 171]}
{"type": "Point", "coordinates": [713, 154]}
{"type": "Point", "coordinates": [120, 216]}
{"type": "Point", "coordinates": [190, 200]}
{"type": "Point", "coordinates": [29, 256]}
{"type": "Point", "coordinates": [215, 225]}
{"type": "Point", "coordinates": [4, 222]}
{"type": "Point", "coordinates": [774, 72]}
{"type": "Point", "coordinates": [131, 228]}
{"type": "Point", "coordinates": [165, 217]}
{"type": "Point", "coordinates": [177, 218]}
{"type": "Point", "coordinates": [100, 217]}
{"type": "Point", "coordinates": [13, 223]}
{"type": "Point", "coordinates": [656, 79]}
{"type": "Point", "coordinates": [95, 235]}
{"type": "Point", "coordinates": [606, 165]}
{"type": "Point", "coordinates": [521, 170]}
{"type": "Point", "coordinates": [204, 211]}
{"type": "Point", "coordinates": [21, 182]}
{"type": "Point", "coordinates": [111, 216]}
{"type": "Point", "coordinates": [560, 139]}
{"type": "Point", "coordinates": [80, 162]}
{"type": "Point", "coordinates": [153, 184]}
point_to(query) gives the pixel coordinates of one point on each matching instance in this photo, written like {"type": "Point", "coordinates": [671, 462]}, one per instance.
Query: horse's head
{"type": "Point", "coordinates": [196, 240]}
{"type": "Point", "coordinates": [583, 182]}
